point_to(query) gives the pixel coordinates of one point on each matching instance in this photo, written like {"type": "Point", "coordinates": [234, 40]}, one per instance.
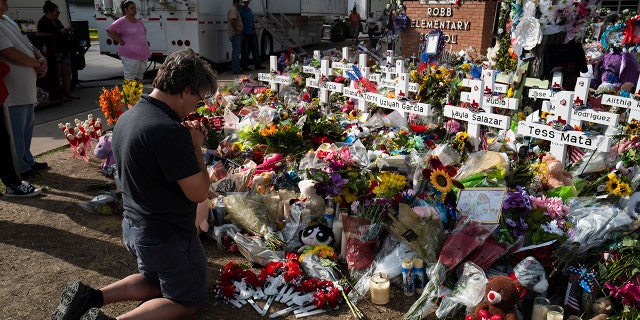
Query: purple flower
{"type": "Point", "coordinates": [510, 222]}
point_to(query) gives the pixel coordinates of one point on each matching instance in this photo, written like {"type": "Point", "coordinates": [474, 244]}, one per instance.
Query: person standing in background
{"type": "Point", "coordinates": [27, 64]}
{"type": "Point", "coordinates": [354, 23]}
{"type": "Point", "coordinates": [372, 27]}
{"type": "Point", "coordinates": [234, 31]}
{"type": "Point", "coordinates": [131, 36]}
{"type": "Point", "coordinates": [250, 38]}
{"type": "Point", "coordinates": [49, 23]}
{"type": "Point", "coordinates": [14, 187]}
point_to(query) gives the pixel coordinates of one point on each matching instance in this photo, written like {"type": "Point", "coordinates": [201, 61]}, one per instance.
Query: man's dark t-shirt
{"type": "Point", "coordinates": [153, 150]}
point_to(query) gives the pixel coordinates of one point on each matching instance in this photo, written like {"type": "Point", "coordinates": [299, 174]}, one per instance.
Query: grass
{"type": "Point", "coordinates": [93, 34]}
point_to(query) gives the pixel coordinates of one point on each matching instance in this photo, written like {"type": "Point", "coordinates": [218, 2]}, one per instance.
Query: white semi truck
{"type": "Point", "coordinates": [202, 25]}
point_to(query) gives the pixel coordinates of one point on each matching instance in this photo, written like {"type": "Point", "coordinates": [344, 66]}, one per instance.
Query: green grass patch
{"type": "Point", "coordinates": [93, 33]}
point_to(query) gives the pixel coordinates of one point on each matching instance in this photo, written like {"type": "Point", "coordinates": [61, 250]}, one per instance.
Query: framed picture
{"type": "Point", "coordinates": [481, 204]}
{"type": "Point", "coordinates": [432, 43]}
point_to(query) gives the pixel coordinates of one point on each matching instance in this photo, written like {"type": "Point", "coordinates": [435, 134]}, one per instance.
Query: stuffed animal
{"type": "Point", "coordinates": [315, 235]}
{"type": "Point", "coordinates": [530, 273]}
{"type": "Point", "coordinates": [556, 176]}
{"type": "Point", "coordinates": [601, 309]}
{"type": "Point", "coordinates": [313, 202]}
{"type": "Point", "coordinates": [501, 296]}
{"type": "Point", "coordinates": [261, 182]}
{"type": "Point", "coordinates": [619, 67]}
{"type": "Point", "coordinates": [103, 151]}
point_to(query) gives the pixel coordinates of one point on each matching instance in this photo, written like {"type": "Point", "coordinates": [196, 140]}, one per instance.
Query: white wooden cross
{"type": "Point", "coordinates": [631, 104]}
{"type": "Point", "coordinates": [579, 115]}
{"type": "Point", "coordinates": [476, 119]}
{"type": "Point", "coordinates": [561, 107]}
{"type": "Point", "coordinates": [344, 63]}
{"type": "Point", "coordinates": [556, 81]}
{"type": "Point", "coordinates": [272, 77]}
{"type": "Point", "coordinates": [350, 91]}
{"type": "Point", "coordinates": [490, 86]}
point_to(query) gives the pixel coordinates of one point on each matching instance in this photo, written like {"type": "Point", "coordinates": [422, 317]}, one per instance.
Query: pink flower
{"type": "Point", "coordinates": [452, 126]}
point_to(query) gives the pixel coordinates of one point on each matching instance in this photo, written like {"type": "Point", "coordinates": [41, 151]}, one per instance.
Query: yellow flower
{"type": "Point", "coordinates": [612, 185]}
{"type": "Point", "coordinates": [441, 181]}
{"type": "Point", "coordinates": [462, 135]}
{"type": "Point", "coordinates": [622, 190]}
{"type": "Point", "coordinates": [510, 92]}
{"type": "Point", "coordinates": [347, 196]}
{"type": "Point", "coordinates": [612, 176]}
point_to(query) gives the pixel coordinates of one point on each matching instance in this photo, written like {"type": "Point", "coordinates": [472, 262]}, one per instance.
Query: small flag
{"type": "Point", "coordinates": [571, 298]}
{"type": "Point", "coordinates": [575, 154]}
{"type": "Point", "coordinates": [484, 145]}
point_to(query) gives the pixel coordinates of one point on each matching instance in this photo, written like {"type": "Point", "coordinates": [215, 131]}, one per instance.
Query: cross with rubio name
{"type": "Point", "coordinates": [631, 104]}
{"type": "Point", "coordinates": [272, 77]}
{"type": "Point", "coordinates": [561, 107]}
{"type": "Point", "coordinates": [476, 115]}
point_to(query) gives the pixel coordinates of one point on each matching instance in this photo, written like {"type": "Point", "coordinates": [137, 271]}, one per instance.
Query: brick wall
{"type": "Point", "coordinates": [475, 17]}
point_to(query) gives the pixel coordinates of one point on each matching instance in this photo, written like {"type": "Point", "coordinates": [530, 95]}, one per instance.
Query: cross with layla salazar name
{"type": "Point", "coordinates": [557, 130]}
{"type": "Point", "coordinates": [272, 77]}
{"type": "Point", "coordinates": [476, 115]}
{"type": "Point", "coordinates": [631, 104]}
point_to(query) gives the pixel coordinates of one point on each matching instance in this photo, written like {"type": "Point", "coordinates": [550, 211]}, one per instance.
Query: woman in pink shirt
{"type": "Point", "coordinates": [131, 36]}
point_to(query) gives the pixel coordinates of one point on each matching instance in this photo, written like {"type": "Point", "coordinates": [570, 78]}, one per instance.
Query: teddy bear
{"type": "Point", "coordinates": [601, 308]}
{"type": "Point", "coordinates": [501, 295]}
{"type": "Point", "coordinates": [261, 182]}
{"type": "Point", "coordinates": [556, 176]}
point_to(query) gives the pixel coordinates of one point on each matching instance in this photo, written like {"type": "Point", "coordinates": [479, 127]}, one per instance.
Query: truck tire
{"type": "Point", "coordinates": [339, 31]}
{"type": "Point", "coordinates": [266, 45]}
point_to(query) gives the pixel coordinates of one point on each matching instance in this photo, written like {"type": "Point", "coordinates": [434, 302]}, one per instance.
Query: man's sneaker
{"type": "Point", "coordinates": [74, 302]}
{"type": "Point", "coordinates": [23, 190]}
{"type": "Point", "coordinates": [95, 314]}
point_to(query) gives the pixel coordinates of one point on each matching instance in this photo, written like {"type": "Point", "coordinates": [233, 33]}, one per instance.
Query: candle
{"type": "Point", "coordinates": [555, 313]}
{"type": "Point", "coordinates": [337, 233]}
{"type": "Point", "coordinates": [407, 277]}
{"type": "Point", "coordinates": [379, 288]}
{"type": "Point", "coordinates": [418, 274]}
{"type": "Point", "coordinates": [343, 242]}
{"type": "Point", "coordinates": [540, 308]}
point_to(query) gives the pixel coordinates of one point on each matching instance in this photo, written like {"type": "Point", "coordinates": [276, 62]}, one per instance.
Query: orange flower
{"type": "Point", "coordinates": [111, 104]}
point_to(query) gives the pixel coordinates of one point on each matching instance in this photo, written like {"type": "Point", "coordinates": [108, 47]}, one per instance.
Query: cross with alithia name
{"type": "Point", "coordinates": [631, 104]}
{"type": "Point", "coordinates": [475, 115]}
{"type": "Point", "coordinates": [272, 77]}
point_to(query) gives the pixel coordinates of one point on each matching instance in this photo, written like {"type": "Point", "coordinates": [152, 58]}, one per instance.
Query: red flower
{"type": "Point", "coordinates": [229, 291]}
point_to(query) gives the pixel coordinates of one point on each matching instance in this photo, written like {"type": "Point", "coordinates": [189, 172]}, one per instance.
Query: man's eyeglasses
{"type": "Point", "coordinates": [202, 101]}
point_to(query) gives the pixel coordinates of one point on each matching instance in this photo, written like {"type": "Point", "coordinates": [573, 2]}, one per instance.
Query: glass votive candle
{"type": "Point", "coordinates": [379, 288]}
{"type": "Point", "coordinates": [540, 308]}
{"type": "Point", "coordinates": [555, 312]}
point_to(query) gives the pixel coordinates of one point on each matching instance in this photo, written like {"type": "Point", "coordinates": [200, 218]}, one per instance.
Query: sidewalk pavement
{"type": "Point", "coordinates": [100, 71]}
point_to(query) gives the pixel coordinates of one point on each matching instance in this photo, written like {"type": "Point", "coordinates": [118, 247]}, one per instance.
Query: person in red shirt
{"type": "Point", "coordinates": [354, 23]}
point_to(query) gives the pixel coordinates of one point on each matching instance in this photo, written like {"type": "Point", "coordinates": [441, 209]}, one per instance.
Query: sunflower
{"type": "Point", "coordinates": [441, 180]}
{"type": "Point", "coordinates": [622, 190]}
{"type": "Point", "coordinates": [612, 185]}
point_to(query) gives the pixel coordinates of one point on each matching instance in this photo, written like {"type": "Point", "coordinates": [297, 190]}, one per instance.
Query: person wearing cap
{"type": "Point", "coordinates": [234, 31]}
{"type": "Point", "coordinates": [250, 39]}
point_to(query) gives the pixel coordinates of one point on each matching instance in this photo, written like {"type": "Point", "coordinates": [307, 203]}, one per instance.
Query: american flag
{"type": "Point", "coordinates": [484, 145]}
{"type": "Point", "coordinates": [572, 298]}
{"type": "Point", "coordinates": [575, 153]}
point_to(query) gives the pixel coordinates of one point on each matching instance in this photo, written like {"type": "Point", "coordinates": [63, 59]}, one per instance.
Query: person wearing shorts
{"type": "Point", "coordinates": [131, 36]}
{"type": "Point", "coordinates": [163, 178]}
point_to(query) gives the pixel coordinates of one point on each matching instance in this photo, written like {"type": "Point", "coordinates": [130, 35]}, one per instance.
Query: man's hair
{"type": "Point", "coordinates": [183, 69]}
{"type": "Point", "coordinates": [236, 1]}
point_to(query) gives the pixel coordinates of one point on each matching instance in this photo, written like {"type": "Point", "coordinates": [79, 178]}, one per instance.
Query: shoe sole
{"type": "Point", "coordinates": [37, 192]}
{"type": "Point", "coordinates": [94, 314]}
{"type": "Point", "coordinates": [70, 293]}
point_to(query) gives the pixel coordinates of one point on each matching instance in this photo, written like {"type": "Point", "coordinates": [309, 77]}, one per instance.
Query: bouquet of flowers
{"type": "Point", "coordinates": [111, 104]}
